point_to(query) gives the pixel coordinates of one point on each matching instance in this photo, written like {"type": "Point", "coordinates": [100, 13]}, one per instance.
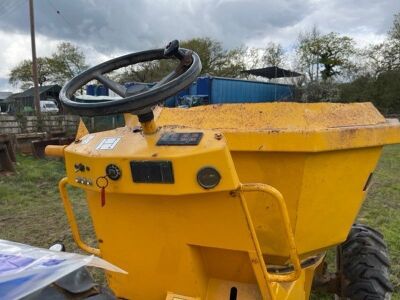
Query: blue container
{"type": "Point", "coordinates": [232, 90]}
{"type": "Point", "coordinates": [101, 90]}
{"type": "Point", "coordinates": [96, 90]}
{"type": "Point", "coordinates": [90, 89]}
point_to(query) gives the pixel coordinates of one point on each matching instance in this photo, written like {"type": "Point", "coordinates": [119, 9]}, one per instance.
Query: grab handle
{"type": "Point", "coordinates": [294, 257]}
{"type": "Point", "coordinates": [72, 220]}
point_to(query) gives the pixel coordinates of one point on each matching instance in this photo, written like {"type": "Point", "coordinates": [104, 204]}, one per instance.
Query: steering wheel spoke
{"type": "Point", "coordinates": [111, 84]}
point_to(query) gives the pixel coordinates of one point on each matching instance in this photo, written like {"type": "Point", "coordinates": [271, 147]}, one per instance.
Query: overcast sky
{"type": "Point", "coordinates": [107, 28]}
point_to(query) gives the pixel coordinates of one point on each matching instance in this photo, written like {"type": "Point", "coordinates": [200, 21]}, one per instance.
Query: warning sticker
{"type": "Point", "coordinates": [108, 143]}
{"type": "Point", "coordinates": [87, 139]}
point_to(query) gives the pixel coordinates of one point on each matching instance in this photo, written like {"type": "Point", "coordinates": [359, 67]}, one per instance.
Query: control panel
{"type": "Point", "coordinates": [171, 161]}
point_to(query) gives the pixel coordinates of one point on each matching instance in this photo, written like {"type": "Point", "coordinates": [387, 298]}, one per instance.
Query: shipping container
{"type": "Point", "coordinates": [218, 90]}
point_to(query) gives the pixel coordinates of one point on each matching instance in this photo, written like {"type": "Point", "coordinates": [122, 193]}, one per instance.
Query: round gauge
{"type": "Point", "coordinates": [113, 172]}
{"type": "Point", "coordinates": [208, 177]}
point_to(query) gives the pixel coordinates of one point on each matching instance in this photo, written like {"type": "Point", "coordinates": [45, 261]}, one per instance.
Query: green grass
{"type": "Point", "coordinates": [30, 207]}
{"type": "Point", "coordinates": [381, 210]}
{"type": "Point", "coordinates": [31, 211]}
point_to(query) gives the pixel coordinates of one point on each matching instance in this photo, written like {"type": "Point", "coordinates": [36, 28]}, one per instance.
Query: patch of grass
{"type": "Point", "coordinates": [31, 211]}
{"type": "Point", "coordinates": [381, 210]}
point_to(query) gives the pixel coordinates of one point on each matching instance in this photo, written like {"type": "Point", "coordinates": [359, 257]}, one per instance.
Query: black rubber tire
{"type": "Point", "coordinates": [364, 265]}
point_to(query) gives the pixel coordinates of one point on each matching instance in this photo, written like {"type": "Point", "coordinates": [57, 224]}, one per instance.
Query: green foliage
{"type": "Point", "coordinates": [319, 91]}
{"type": "Point", "coordinates": [214, 58]}
{"type": "Point", "coordinates": [22, 73]}
{"type": "Point", "coordinates": [330, 51]}
{"type": "Point", "coordinates": [334, 54]}
{"type": "Point", "coordinates": [383, 91]}
{"type": "Point", "coordinates": [385, 56]}
{"type": "Point", "coordinates": [67, 62]}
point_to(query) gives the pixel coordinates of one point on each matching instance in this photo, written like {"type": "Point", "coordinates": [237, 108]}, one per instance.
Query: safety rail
{"type": "Point", "coordinates": [72, 220]}
{"type": "Point", "coordinates": [267, 189]}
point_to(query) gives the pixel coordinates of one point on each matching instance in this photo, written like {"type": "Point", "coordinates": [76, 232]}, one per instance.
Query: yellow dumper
{"type": "Point", "coordinates": [238, 201]}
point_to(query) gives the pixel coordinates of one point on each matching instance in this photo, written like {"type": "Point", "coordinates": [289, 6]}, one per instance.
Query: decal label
{"type": "Point", "coordinates": [108, 143]}
{"type": "Point", "coordinates": [87, 139]}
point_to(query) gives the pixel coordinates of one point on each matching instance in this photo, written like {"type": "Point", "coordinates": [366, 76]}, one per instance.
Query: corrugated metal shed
{"type": "Point", "coordinates": [232, 90]}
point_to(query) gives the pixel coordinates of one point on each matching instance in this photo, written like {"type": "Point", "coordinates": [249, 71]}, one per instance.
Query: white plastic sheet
{"type": "Point", "coordinates": [25, 269]}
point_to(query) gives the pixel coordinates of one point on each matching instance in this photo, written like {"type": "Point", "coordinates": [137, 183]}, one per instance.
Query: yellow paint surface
{"type": "Point", "coordinates": [180, 239]}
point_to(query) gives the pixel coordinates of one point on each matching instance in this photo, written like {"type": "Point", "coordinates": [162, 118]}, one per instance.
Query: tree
{"type": "Point", "coordinates": [67, 62]}
{"type": "Point", "coordinates": [383, 91]}
{"type": "Point", "coordinates": [62, 65]}
{"type": "Point", "coordinates": [273, 55]}
{"type": "Point", "coordinates": [374, 59]}
{"type": "Point", "coordinates": [308, 52]}
{"type": "Point", "coordinates": [394, 32]}
{"type": "Point", "coordinates": [331, 51]}
{"type": "Point", "coordinates": [22, 73]}
{"type": "Point", "coordinates": [214, 58]}
{"type": "Point", "coordinates": [393, 45]}
{"type": "Point", "coordinates": [335, 53]}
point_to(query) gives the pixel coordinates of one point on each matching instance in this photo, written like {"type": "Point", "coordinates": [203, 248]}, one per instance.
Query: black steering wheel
{"type": "Point", "coordinates": [135, 101]}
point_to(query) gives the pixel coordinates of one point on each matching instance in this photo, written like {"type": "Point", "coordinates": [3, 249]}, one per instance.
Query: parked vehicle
{"type": "Point", "coordinates": [48, 106]}
{"type": "Point", "coordinates": [231, 201]}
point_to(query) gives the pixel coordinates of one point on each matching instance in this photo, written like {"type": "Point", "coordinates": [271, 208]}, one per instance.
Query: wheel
{"type": "Point", "coordinates": [363, 265]}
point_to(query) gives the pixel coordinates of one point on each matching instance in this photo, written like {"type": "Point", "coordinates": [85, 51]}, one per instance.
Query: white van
{"type": "Point", "coordinates": [47, 106]}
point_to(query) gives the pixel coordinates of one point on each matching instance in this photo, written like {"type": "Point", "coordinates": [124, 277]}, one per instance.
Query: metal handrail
{"type": "Point", "coordinates": [72, 220]}
{"type": "Point", "coordinates": [294, 257]}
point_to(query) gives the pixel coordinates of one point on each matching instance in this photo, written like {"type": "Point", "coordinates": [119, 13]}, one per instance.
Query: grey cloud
{"type": "Point", "coordinates": [122, 25]}
{"type": "Point", "coordinates": [133, 25]}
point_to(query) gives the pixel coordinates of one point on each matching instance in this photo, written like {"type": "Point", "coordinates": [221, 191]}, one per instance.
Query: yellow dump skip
{"type": "Point", "coordinates": [290, 127]}
{"type": "Point", "coordinates": [320, 156]}
{"type": "Point", "coordinates": [273, 116]}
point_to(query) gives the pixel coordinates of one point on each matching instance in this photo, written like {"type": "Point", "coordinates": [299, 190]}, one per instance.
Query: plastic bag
{"type": "Point", "coordinates": [25, 269]}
